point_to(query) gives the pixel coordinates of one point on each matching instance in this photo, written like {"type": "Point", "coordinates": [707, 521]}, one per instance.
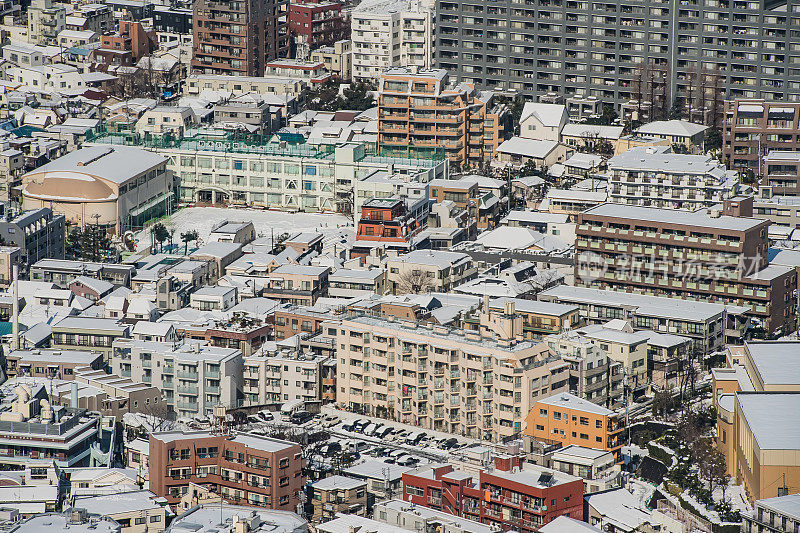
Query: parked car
{"type": "Point", "coordinates": [300, 417]}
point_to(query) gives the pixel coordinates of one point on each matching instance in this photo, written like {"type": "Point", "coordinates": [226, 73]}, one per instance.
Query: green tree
{"type": "Point", "coordinates": [676, 111]}
{"type": "Point", "coordinates": [160, 234]}
{"type": "Point", "coordinates": [74, 244]}
{"type": "Point", "coordinates": [713, 140]}
{"type": "Point", "coordinates": [187, 237]}
{"type": "Point", "coordinates": [357, 97]}
{"type": "Point", "coordinates": [324, 97]}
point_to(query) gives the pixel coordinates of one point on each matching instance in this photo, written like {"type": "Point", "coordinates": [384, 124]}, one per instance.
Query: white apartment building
{"type": "Point", "coordinates": [54, 77]}
{"type": "Point", "coordinates": [193, 376]}
{"type": "Point", "coordinates": [651, 176]}
{"type": "Point", "coordinates": [284, 376]}
{"type": "Point", "coordinates": [281, 176]}
{"type": "Point", "coordinates": [213, 298]}
{"type": "Point", "coordinates": [389, 33]}
{"type": "Point", "coordinates": [444, 379]}
{"type": "Point", "coordinates": [237, 85]}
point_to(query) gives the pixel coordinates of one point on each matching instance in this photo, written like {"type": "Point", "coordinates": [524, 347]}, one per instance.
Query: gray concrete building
{"type": "Point", "coordinates": [636, 55]}
{"type": "Point", "coordinates": [38, 233]}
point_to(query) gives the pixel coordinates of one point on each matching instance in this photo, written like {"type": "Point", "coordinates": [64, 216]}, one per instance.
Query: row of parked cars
{"type": "Point", "coordinates": [387, 433]}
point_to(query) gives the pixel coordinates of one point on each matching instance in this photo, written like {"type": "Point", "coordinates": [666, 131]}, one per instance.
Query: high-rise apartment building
{"type": "Point", "coordinates": [239, 37]}
{"type": "Point", "coordinates": [390, 33]}
{"type": "Point", "coordinates": [641, 53]}
{"type": "Point", "coordinates": [421, 108]}
{"type": "Point", "coordinates": [317, 23]}
{"type": "Point", "coordinates": [454, 381]}
{"type": "Point", "coordinates": [754, 128]}
{"type": "Point", "coordinates": [701, 255]}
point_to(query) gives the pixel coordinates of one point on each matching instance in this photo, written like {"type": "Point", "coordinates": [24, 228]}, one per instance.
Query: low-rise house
{"type": "Point", "coordinates": [348, 283]}
{"type": "Point", "coordinates": [95, 334]}
{"type": "Point", "coordinates": [219, 253]}
{"type": "Point", "coordinates": [336, 495]}
{"type": "Point", "coordinates": [597, 468]}
{"type": "Point", "coordinates": [383, 479]}
{"type": "Point", "coordinates": [675, 131]}
{"type": "Point", "coordinates": [297, 284]}
{"type": "Point", "coordinates": [92, 288]}
{"type": "Point", "coordinates": [133, 511]}
{"type": "Point", "coordinates": [51, 363]}
{"type": "Point", "coordinates": [518, 152]}
{"type": "Point", "coordinates": [216, 298]}
{"type": "Point", "coordinates": [542, 121]}
{"type": "Point", "coordinates": [63, 271]}
{"type": "Point", "coordinates": [429, 271]}
{"type": "Point", "coordinates": [616, 510]}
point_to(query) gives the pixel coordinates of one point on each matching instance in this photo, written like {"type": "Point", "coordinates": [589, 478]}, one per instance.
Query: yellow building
{"type": "Point", "coordinates": [757, 399]}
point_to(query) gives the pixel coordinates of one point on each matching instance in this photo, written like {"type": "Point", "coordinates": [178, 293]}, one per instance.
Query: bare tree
{"type": "Point", "coordinates": [414, 282]}
{"type": "Point", "coordinates": [156, 416]}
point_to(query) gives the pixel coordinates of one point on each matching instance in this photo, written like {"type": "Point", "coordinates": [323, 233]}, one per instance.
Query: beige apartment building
{"type": "Point", "coordinates": [443, 379]}
{"type": "Point", "coordinates": [716, 256]}
{"type": "Point", "coordinates": [338, 58]}
{"type": "Point", "coordinates": [284, 376]}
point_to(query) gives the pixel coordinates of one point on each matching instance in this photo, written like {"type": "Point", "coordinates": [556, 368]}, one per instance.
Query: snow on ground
{"type": "Point", "coordinates": [642, 491]}
{"type": "Point", "coordinates": [734, 493]}
{"type": "Point", "coordinates": [202, 219]}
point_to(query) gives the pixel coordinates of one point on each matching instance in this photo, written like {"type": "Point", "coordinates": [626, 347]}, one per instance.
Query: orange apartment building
{"type": "Point", "coordinates": [567, 419]}
{"type": "Point", "coordinates": [239, 38]}
{"type": "Point", "coordinates": [424, 110]}
{"type": "Point", "coordinates": [127, 46]}
{"type": "Point", "coordinates": [245, 469]}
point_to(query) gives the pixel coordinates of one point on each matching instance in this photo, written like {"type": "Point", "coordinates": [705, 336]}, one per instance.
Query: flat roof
{"type": "Point", "coordinates": [338, 483]}
{"type": "Point", "coordinates": [115, 163]}
{"type": "Point", "coordinates": [534, 306]}
{"type": "Point", "coordinates": [565, 524]}
{"type": "Point", "coordinates": [570, 401]}
{"type": "Point", "coordinates": [699, 218]}
{"type": "Point", "coordinates": [660, 306]}
{"type": "Point", "coordinates": [56, 356]}
{"type": "Point", "coordinates": [206, 519]}
{"type": "Point", "coordinates": [786, 505]}
{"type": "Point", "coordinates": [377, 469]}
{"type": "Point", "coordinates": [777, 363]}
{"type": "Point", "coordinates": [123, 502]}
{"type": "Point", "coordinates": [772, 432]}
